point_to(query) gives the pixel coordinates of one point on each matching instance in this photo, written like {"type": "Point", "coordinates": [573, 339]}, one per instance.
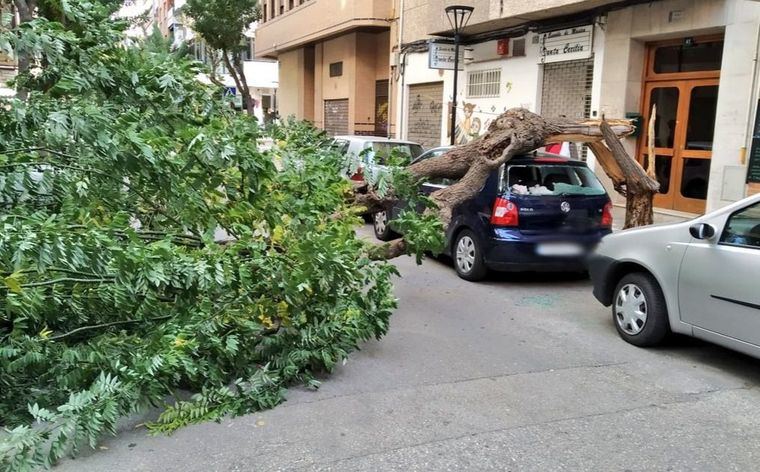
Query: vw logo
{"type": "Point", "coordinates": [565, 207]}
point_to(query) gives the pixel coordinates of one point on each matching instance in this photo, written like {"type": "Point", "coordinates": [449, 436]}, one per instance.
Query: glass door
{"type": "Point", "coordinates": [683, 138]}
{"type": "Point", "coordinates": [667, 97]}
{"type": "Point", "coordinates": [696, 149]}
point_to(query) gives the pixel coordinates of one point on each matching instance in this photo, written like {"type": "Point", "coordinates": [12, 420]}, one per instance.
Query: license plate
{"type": "Point", "coordinates": [559, 249]}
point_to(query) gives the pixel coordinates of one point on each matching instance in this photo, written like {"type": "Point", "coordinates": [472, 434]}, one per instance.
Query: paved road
{"type": "Point", "coordinates": [513, 374]}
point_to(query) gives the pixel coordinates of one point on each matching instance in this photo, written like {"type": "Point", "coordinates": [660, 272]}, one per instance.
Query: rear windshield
{"type": "Point", "coordinates": [560, 180]}
{"type": "Point", "coordinates": [383, 150]}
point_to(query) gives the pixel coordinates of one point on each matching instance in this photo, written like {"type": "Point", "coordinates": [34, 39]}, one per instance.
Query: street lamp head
{"type": "Point", "coordinates": [458, 15]}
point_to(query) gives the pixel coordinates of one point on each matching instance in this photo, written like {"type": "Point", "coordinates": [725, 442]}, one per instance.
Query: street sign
{"type": "Point", "coordinates": [567, 44]}
{"type": "Point", "coordinates": [441, 56]}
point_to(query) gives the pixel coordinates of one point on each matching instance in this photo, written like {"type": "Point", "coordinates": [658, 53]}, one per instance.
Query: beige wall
{"type": "Point", "coordinates": [315, 20]}
{"type": "Point", "coordinates": [297, 84]}
{"type": "Point", "coordinates": [305, 81]}
{"type": "Point", "coordinates": [423, 17]}
{"type": "Point", "coordinates": [629, 30]}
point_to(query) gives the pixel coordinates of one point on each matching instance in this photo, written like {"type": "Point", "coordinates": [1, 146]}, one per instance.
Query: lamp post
{"type": "Point", "coordinates": [458, 15]}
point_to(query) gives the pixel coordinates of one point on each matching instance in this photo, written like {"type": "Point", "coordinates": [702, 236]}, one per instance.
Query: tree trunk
{"type": "Point", "coordinates": [239, 77]}
{"type": "Point", "coordinates": [245, 91]}
{"type": "Point", "coordinates": [638, 209]}
{"type": "Point", "coordinates": [515, 132]}
{"type": "Point", "coordinates": [25, 9]}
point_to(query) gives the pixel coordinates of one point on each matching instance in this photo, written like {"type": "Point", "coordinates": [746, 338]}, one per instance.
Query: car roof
{"type": "Point", "coordinates": [374, 139]}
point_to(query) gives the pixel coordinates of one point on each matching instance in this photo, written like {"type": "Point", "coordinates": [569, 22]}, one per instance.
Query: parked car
{"type": "Point", "coordinates": [373, 150]}
{"type": "Point", "coordinates": [539, 212]}
{"type": "Point", "coordinates": [698, 278]}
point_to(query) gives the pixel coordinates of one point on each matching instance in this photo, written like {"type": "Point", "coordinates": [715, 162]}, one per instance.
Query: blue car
{"type": "Point", "coordinates": [538, 212]}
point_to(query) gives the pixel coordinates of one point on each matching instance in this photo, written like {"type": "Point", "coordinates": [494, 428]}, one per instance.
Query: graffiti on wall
{"type": "Point", "coordinates": [471, 123]}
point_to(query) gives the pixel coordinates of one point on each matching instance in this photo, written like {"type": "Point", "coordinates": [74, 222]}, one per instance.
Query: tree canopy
{"type": "Point", "coordinates": [150, 246]}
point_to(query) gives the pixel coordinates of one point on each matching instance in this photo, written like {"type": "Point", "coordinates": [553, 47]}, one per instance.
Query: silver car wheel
{"type": "Point", "coordinates": [631, 309]}
{"type": "Point", "coordinates": [381, 222]}
{"type": "Point", "coordinates": [465, 254]}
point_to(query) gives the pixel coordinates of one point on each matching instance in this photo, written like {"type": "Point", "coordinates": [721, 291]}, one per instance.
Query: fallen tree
{"type": "Point", "coordinates": [515, 132]}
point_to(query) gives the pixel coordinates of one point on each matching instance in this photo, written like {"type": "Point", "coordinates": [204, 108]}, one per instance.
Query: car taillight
{"type": "Point", "coordinates": [505, 213]}
{"type": "Point", "coordinates": [359, 175]}
{"type": "Point", "coordinates": [607, 216]}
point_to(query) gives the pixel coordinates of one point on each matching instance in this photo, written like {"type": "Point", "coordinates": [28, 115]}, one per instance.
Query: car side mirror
{"type": "Point", "coordinates": [702, 231]}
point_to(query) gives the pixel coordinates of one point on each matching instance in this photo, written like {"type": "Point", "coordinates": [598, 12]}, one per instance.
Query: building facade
{"type": "Point", "coordinates": [262, 74]}
{"type": "Point", "coordinates": [696, 60]}
{"type": "Point", "coordinates": [7, 63]}
{"type": "Point", "coordinates": [334, 61]}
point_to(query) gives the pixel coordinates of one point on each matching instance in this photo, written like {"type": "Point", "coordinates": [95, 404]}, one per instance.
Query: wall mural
{"type": "Point", "coordinates": [471, 123]}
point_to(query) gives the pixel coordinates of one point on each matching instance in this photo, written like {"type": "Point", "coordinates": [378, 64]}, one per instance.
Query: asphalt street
{"type": "Point", "coordinates": [518, 373]}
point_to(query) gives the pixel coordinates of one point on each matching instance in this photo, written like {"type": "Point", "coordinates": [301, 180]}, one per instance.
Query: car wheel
{"type": "Point", "coordinates": [383, 230]}
{"type": "Point", "coordinates": [639, 310]}
{"type": "Point", "coordinates": [468, 257]}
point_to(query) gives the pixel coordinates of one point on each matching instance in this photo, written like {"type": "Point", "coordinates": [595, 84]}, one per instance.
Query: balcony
{"type": "Point", "coordinates": [314, 20]}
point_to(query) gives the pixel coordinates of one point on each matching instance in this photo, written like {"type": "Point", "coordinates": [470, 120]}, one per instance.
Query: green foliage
{"type": "Point", "coordinates": [118, 177]}
{"type": "Point", "coordinates": [222, 22]}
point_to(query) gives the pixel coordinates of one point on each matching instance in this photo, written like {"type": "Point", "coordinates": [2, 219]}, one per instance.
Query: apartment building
{"type": "Point", "coordinates": [262, 74]}
{"type": "Point", "coordinates": [695, 59]}
{"type": "Point", "coordinates": [7, 63]}
{"type": "Point", "coordinates": [334, 60]}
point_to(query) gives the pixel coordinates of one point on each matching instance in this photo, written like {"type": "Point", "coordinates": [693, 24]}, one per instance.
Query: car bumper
{"type": "Point", "coordinates": [601, 269]}
{"type": "Point", "coordinates": [511, 250]}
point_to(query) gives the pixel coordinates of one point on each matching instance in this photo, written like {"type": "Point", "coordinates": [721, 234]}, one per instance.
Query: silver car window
{"type": "Point", "coordinates": [743, 228]}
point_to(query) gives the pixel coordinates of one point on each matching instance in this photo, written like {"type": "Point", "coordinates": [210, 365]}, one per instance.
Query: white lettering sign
{"type": "Point", "coordinates": [441, 56]}
{"type": "Point", "coordinates": [567, 44]}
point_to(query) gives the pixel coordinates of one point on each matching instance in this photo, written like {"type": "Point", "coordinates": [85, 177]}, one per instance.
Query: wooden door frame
{"type": "Point", "coordinates": [685, 82]}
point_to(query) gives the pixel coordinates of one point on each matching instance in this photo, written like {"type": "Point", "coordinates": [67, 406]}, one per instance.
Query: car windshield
{"type": "Point", "coordinates": [384, 149]}
{"type": "Point", "coordinates": [559, 180]}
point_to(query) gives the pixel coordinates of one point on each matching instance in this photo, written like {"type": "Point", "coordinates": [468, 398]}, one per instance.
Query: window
{"type": "Point", "coordinates": [340, 145]}
{"type": "Point", "coordinates": [247, 53]}
{"type": "Point", "coordinates": [743, 228]}
{"type": "Point", "coordinates": [483, 83]}
{"type": "Point", "coordinates": [683, 58]}
{"type": "Point", "coordinates": [561, 180]}
{"type": "Point", "coordinates": [336, 69]}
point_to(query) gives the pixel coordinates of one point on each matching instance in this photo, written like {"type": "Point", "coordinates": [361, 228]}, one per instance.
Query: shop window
{"type": "Point", "coordinates": [688, 58]}
{"type": "Point", "coordinates": [483, 83]}
{"type": "Point", "coordinates": [336, 69]}
{"type": "Point", "coordinates": [743, 228]}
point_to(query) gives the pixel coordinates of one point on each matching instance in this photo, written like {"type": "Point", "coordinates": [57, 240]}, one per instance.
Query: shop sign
{"type": "Point", "coordinates": [441, 56]}
{"type": "Point", "coordinates": [567, 44]}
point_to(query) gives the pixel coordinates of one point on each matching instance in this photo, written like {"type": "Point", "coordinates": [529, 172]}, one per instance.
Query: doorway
{"type": "Point", "coordinates": [682, 79]}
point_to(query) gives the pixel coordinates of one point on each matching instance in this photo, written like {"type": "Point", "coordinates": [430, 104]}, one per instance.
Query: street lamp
{"type": "Point", "coordinates": [458, 15]}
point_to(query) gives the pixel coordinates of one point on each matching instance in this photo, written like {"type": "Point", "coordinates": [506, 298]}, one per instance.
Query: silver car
{"type": "Point", "coordinates": [700, 278]}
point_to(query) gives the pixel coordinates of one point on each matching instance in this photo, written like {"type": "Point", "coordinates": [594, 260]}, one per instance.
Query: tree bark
{"type": "Point", "coordinates": [515, 132]}
{"type": "Point", "coordinates": [640, 188]}
{"type": "Point", "coordinates": [239, 82]}
{"type": "Point", "coordinates": [25, 9]}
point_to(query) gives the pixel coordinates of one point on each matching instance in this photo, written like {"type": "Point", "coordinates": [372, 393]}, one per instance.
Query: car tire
{"type": "Point", "coordinates": [468, 257]}
{"type": "Point", "coordinates": [639, 310]}
{"type": "Point", "coordinates": [383, 230]}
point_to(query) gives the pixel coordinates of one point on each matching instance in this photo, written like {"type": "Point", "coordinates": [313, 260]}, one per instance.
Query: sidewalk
{"type": "Point", "coordinates": [618, 213]}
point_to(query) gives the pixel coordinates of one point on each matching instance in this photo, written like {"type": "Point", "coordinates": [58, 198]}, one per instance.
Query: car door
{"type": "Point", "coordinates": [718, 281]}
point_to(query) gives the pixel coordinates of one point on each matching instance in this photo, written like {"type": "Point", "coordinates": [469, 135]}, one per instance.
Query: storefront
{"type": "Point", "coordinates": [697, 63]}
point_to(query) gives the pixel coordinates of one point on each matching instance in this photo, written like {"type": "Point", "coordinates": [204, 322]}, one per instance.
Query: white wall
{"type": "Point", "coordinates": [520, 81]}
